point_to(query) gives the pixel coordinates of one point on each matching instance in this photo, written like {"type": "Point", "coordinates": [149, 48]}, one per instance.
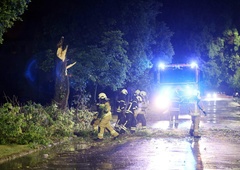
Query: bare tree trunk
{"type": "Point", "coordinates": [61, 79]}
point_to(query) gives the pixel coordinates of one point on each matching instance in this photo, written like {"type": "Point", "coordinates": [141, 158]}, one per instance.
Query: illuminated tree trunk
{"type": "Point", "coordinates": [61, 80]}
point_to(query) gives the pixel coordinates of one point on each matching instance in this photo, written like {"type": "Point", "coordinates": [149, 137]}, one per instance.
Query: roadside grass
{"type": "Point", "coordinates": [8, 150]}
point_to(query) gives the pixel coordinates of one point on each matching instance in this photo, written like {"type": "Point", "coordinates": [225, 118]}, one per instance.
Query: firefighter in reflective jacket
{"type": "Point", "coordinates": [105, 115]}
{"type": "Point", "coordinates": [195, 110]}
{"type": "Point", "coordinates": [120, 125]}
{"type": "Point", "coordinates": [131, 111]}
{"type": "Point", "coordinates": [175, 108]}
{"type": "Point", "coordinates": [142, 107]}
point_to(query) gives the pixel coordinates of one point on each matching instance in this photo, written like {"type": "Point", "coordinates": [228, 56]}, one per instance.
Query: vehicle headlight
{"type": "Point", "coordinates": [212, 96]}
{"type": "Point", "coordinates": [190, 92]}
{"type": "Point", "coordinates": [161, 102]}
{"type": "Point", "coordinates": [209, 95]}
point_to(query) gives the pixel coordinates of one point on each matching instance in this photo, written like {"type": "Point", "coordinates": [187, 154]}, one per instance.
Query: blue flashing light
{"type": "Point", "coordinates": [161, 66]}
{"type": "Point", "coordinates": [194, 65]}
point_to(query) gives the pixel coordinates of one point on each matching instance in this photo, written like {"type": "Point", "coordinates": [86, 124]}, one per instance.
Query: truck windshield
{"type": "Point", "coordinates": [178, 75]}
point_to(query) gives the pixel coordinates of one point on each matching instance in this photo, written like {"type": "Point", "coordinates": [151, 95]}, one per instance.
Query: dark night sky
{"type": "Point", "coordinates": [173, 13]}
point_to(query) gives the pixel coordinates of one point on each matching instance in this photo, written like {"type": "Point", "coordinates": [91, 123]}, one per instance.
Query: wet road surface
{"type": "Point", "coordinates": [170, 149]}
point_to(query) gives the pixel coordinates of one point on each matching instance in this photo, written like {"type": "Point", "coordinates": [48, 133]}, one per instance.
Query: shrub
{"type": "Point", "coordinates": [11, 122]}
{"type": "Point", "coordinates": [33, 123]}
{"type": "Point", "coordinates": [83, 122]}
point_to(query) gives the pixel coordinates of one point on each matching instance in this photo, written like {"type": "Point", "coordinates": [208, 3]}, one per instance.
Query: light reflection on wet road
{"type": "Point", "coordinates": [182, 153]}
{"type": "Point", "coordinates": [143, 154]}
{"type": "Point", "coordinates": [157, 154]}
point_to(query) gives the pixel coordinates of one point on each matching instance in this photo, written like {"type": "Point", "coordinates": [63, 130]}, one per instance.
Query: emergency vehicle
{"type": "Point", "coordinates": [176, 84]}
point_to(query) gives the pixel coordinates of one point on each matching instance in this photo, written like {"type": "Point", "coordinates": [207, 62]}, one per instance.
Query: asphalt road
{"type": "Point", "coordinates": [171, 148]}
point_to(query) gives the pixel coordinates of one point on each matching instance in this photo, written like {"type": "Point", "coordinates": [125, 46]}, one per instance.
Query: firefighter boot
{"type": "Point", "coordinates": [98, 140]}
{"type": "Point", "coordinates": [197, 136]}
{"type": "Point", "coordinates": [191, 132]}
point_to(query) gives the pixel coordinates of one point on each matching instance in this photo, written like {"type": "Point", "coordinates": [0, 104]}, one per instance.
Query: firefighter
{"type": "Point", "coordinates": [121, 109]}
{"type": "Point", "coordinates": [105, 115]}
{"type": "Point", "coordinates": [175, 108]}
{"type": "Point", "coordinates": [144, 96]}
{"type": "Point", "coordinates": [195, 109]}
{"type": "Point", "coordinates": [131, 111]}
{"type": "Point", "coordinates": [142, 107]}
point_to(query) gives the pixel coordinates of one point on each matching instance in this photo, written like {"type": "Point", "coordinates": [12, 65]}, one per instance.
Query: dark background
{"type": "Point", "coordinates": [183, 17]}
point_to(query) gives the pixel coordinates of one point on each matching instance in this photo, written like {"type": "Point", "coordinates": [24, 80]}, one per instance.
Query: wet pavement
{"type": "Point", "coordinates": [166, 147]}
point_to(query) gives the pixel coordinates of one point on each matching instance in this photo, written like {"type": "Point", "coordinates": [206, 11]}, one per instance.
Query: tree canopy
{"type": "Point", "coordinates": [10, 12]}
{"type": "Point", "coordinates": [117, 47]}
{"type": "Point", "coordinates": [224, 58]}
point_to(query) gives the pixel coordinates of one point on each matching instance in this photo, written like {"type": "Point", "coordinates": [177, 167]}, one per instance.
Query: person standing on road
{"type": "Point", "coordinates": [105, 115]}
{"type": "Point", "coordinates": [142, 105]}
{"type": "Point", "coordinates": [195, 109]}
{"type": "Point", "coordinates": [121, 109]}
{"type": "Point", "coordinates": [175, 108]}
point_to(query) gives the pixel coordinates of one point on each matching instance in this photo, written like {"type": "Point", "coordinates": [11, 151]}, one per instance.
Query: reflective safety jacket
{"type": "Point", "coordinates": [121, 103]}
{"type": "Point", "coordinates": [175, 105]}
{"type": "Point", "coordinates": [195, 108]}
{"type": "Point", "coordinates": [132, 106]}
{"type": "Point", "coordinates": [104, 109]}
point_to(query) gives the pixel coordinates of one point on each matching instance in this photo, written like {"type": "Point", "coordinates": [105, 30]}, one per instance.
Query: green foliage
{"type": "Point", "coordinates": [81, 101]}
{"type": "Point", "coordinates": [162, 48]}
{"type": "Point", "coordinates": [235, 80]}
{"type": "Point", "coordinates": [105, 63]}
{"type": "Point", "coordinates": [35, 124]}
{"type": "Point", "coordinates": [211, 71]}
{"type": "Point", "coordinates": [115, 61]}
{"type": "Point", "coordinates": [10, 12]}
{"type": "Point", "coordinates": [119, 51]}
{"type": "Point", "coordinates": [83, 120]}
{"type": "Point", "coordinates": [10, 123]}
{"type": "Point", "coordinates": [224, 59]}
{"type": "Point", "coordinates": [144, 35]}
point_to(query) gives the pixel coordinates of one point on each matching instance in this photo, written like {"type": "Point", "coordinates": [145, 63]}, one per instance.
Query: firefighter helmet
{"type": "Point", "coordinates": [139, 98]}
{"type": "Point", "coordinates": [143, 93]}
{"type": "Point", "coordinates": [124, 91]}
{"type": "Point", "coordinates": [102, 96]}
{"type": "Point", "coordinates": [137, 92]}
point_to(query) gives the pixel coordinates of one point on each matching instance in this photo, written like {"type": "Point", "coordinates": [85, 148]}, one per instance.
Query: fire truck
{"type": "Point", "coordinates": [176, 84]}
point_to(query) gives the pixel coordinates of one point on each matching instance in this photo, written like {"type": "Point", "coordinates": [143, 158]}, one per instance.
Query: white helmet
{"type": "Point", "coordinates": [124, 91]}
{"type": "Point", "coordinates": [139, 99]}
{"type": "Point", "coordinates": [143, 93]}
{"type": "Point", "coordinates": [137, 92]}
{"type": "Point", "coordinates": [102, 96]}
